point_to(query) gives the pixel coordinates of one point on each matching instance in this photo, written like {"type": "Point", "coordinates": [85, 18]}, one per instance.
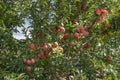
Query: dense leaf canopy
{"type": "Point", "coordinates": [84, 35]}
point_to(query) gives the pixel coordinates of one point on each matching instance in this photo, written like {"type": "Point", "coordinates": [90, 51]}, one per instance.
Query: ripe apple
{"type": "Point", "coordinates": [80, 29]}
{"type": "Point", "coordinates": [61, 49]}
{"type": "Point", "coordinates": [41, 55]}
{"type": "Point", "coordinates": [109, 57]}
{"type": "Point", "coordinates": [45, 47]}
{"type": "Point", "coordinates": [33, 61]}
{"type": "Point", "coordinates": [24, 60]}
{"type": "Point", "coordinates": [28, 62]}
{"type": "Point", "coordinates": [55, 44]}
{"type": "Point", "coordinates": [46, 53]}
{"type": "Point", "coordinates": [41, 44]}
{"type": "Point", "coordinates": [87, 26]}
{"type": "Point", "coordinates": [72, 43]}
{"type": "Point", "coordinates": [49, 45]}
{"type": "Point", "coordinates": [104, 11]}
{"type": "Point", "coordinates": [32, 46]}
{"type": "Point", "coordinates": [85, 33]}
{"type": "Point", "coordinates": [77, 36]}
{"type": "Point", "coordinates": [66, 34]}
{"type": "Point", "coordinates": [98, 12]}
{"type": "Point", "coordinates": [28, 68]}
{"type": "Point", "coordinates": [62, 29]}
{"type": "Point", "coordinates": [102, 19]}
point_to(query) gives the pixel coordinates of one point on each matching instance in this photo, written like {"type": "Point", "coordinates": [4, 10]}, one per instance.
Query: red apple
{"type": "Point", "coordinates": [55, 44]}
{"type": "Point", "coordinates": [109, 57]}
{"type": "Point", "coordinates": [87, 26]}
{"type": "Point", "coordinates": [24, 60]}
{"type": "Point", "coordinates": [66, 34]}
{"type": "Point", "coordinates": [32, 46]}
{"type": "Point", "coordinates": [85, 33]}
{"type": "Point", "coordinates": [46, 53]}
{"type": "Point", "coordinates": [80, 29]}
{"type": "Point", "coordinates": [77, 36]}
{"type": "Point", "coordinates": [104, 12]}
{"type": "Point", "coordinates": [72, 43]}
{"type": "Point", "coordinates": [45, 47]}
{"type": "Point", "coordinates": [61, 49]}
{"type": "Point", "coordinates": [28, 62]}
{"type": "Point", "coordinates": [62, 29]}
{"type": "Point", "coordinates": [32, 61]}
{"type": "Point", "coordinates": [28, 68]}
{"type": "Point", "coordinates": [98, 12]}
{"type": "Point", "coordinates": [102, 19]}
{"type": "Point", "coordinates": [41, 55]}
{"type": "Point", "coordinates": [41, 44]}
{"type": "Point", "coordinates": [49, 45]}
